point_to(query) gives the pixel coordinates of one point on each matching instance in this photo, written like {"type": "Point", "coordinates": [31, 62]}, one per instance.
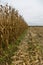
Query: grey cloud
{"type": "Point", "coordinates": [32, 10]}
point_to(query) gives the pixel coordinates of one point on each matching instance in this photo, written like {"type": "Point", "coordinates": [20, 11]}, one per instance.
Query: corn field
{"type": "Point", "coordinates": [12, 26]}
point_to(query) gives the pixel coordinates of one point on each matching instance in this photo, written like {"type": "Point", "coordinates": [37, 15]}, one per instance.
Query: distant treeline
{"type": "Point", "coordinates": [11, 26]}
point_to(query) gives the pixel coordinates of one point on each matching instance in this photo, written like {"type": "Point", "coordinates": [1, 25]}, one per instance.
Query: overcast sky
{"type": "Point", "coordinates": [32, 10]}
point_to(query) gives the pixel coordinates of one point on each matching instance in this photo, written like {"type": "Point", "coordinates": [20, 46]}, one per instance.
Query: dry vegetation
{"type": "Point", "coordinates": [12, 25]}
{"type": "Point", "coordinates": [30, 50]}
{"type": "Point", "coordinates": [17, 49]}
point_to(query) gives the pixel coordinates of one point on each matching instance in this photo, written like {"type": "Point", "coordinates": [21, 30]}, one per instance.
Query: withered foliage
{"type": "Point", "coordinates": [11, 26]}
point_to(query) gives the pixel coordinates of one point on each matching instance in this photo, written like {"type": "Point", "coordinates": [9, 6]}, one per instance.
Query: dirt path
{"type": "Point", "coordinates": [28, 52]}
